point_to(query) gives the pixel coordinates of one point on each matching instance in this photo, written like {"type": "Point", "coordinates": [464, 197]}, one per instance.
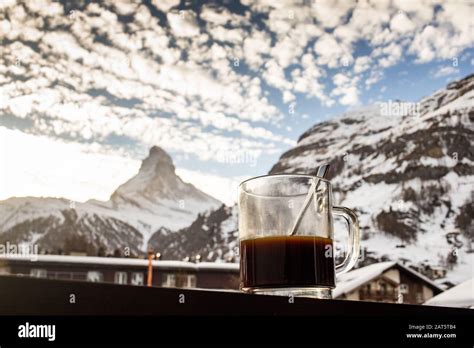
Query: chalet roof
{"type": "Point", "coordinates": [461, 295]}
{"type": "Point", "coordinates": [120, 261]}
{"type": "Point", "coordinates": [350, 281]}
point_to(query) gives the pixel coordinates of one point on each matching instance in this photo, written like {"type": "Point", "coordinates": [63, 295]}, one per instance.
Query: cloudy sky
{"type": "Point", "coordinates": [86, 88]}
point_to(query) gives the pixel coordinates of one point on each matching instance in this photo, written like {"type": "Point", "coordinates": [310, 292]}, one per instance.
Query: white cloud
{"type": "Point", "coordinates": [217, 17]}
{"type": "Point", "coordinates": [288, 97]}
{"type": "Point", "coordinates": [383, 37]}
{"type": "Point", "coordinates": [346, 88]}
{"type": "Point", "coordinates": [424, 44]}
{"type": "Point", "coordinates": [445, 71]}
{"type": "Point", "coordinates": [340, 79]}
{"type": "Point", "coordinates": [234, 36]}
{"type": "Point", "coordinates": [218, 101]}
{"type": "Point", "coordinates": [224, 189]}
{"type": "Point", "coordinates": [286, 51]}
{"type": "Point", "coordinates": [124, 7]}
{"type": "Point", "coordinates": [459, 14]}
{"type": "Point", "coordinates": [362, 64]}
{"type": "Point", "coordinates": [64, 43]}
{"type": "Point", "coordinates": [374, 77]}
{"type": "Point", "coordinates": [183, 23]}
{"type": "Point", "coordinates": [346, 34]}
{"type": "Point", "coordinates": [274, 75]}
{"type": "Point", "coordinates": [330, 13]}
{"type": "Point", "coordinates": [368, 21]}
{"type": "Point", "coordinates": [5, 27]}
{"type": "Point", "coordinates": [306, 80]}
{"type": "Point", "coordinates": [423, 10]}
{"type": "Point", "coordinates": [401, 23]}
{"type": "Point", "coordinates": [185, 84]}
{"type": "Point", "coordinates": [45, 8]}
{"type": "Point", "coordinates": [332, 53]}
{"type": "Point", "coordinates": [165, 5]}
{"type": "Point", "coordinates": [42, 167]}
{"type": "Point", "coordinates": [350, 95]}
{"type": "Point", "coordinates": [39, 166]}
{"type": "Point", "coordinates": [255, 45]}
{"type": "Point", "coordinates": [448, 36]}
{"type": "Point", "coordinates": [391, 54]}
{"type": "Point", "coordinates": [7, 3]}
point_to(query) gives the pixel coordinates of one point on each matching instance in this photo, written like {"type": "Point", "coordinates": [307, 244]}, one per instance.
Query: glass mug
{"type": "Point", "coordinates": [280, 256]}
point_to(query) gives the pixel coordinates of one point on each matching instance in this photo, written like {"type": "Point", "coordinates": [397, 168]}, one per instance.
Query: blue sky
{"type": "Point", "coordinates": [87, 86]}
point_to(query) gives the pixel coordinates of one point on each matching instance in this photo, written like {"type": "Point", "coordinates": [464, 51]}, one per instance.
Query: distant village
{"type": "Point", "coordinates": [388, 281]}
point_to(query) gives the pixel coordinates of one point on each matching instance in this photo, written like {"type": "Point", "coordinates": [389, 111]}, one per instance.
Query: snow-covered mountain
{"type": "Point", "coordinates": [409, 175]}
{"type": "Point", "coordinates": [154, 198]}
{"type": "Point", "coordinates": [213, 236]}
{"type": "Point", "coordinates": [407, 169]}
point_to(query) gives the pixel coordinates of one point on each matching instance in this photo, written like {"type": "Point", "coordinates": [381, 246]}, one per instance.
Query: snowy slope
{"type": "Point", "coordinates": [410, 177]}
{"type": "Point", "coordinates": [213, 236]}
{"type": "Point", "coordinates": [155, 198]}
{"type": "Point", "coordinates": [461, 296]}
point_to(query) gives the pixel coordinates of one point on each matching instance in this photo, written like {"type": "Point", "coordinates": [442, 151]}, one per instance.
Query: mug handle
{"type": "Point", "coordinates": [354, 239]}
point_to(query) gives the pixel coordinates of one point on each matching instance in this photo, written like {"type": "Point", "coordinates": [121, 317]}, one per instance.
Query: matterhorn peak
{"type": "Point", "coordinates": [158, 154]}
{"type": "Point", "coordinates": [157, 161]}
{"type": "Point", "coordinates": [152, 200]}
{"type": "Point", "coordinates": [157, 180]}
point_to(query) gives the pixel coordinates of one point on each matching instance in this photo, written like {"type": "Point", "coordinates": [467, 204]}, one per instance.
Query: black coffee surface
{"type": "Point", "coordinates": [287, 261]}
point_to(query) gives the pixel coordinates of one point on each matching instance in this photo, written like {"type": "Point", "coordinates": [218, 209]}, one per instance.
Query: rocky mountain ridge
{"type": "Point", "coordinates": [409, 176]}
{"type": "Point", "coordinates": [154, 198]}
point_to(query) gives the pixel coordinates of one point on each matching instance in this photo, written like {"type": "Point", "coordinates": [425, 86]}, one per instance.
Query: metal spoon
{"type": "Point", "coordinates": [321, 173]}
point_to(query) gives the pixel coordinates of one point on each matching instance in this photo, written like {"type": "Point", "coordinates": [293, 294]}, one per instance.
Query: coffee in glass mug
{"type": "Point", "coordinates": [286, 236]}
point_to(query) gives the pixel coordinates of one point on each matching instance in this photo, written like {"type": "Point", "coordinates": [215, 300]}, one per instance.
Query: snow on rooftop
{"type": "Point", "coordinates": [118, 261]}
{"type": "Point", "coordinates": [421, 276]}
{"type": "Point", "coordinates": [351, 280]}
{"type": "Point", "coordinates": [217, 265]}
{"type": "Point", "coordinates": [461, 295]}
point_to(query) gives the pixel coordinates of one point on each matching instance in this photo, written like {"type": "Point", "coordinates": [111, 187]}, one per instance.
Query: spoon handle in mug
{"type": "Point", "coordinates": [321, 173]}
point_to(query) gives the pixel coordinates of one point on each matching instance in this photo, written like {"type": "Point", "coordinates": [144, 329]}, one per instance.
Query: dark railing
{"type": "Point", "coordinates": [205, 316]}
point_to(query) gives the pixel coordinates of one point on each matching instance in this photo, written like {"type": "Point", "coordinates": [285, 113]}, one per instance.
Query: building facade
{"type": "Point", "coordinates": [386, 282]}
{"type": "Point", "coordinates": [126, 271]}
{"type": "Point", "coordinates": [380, 282]}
